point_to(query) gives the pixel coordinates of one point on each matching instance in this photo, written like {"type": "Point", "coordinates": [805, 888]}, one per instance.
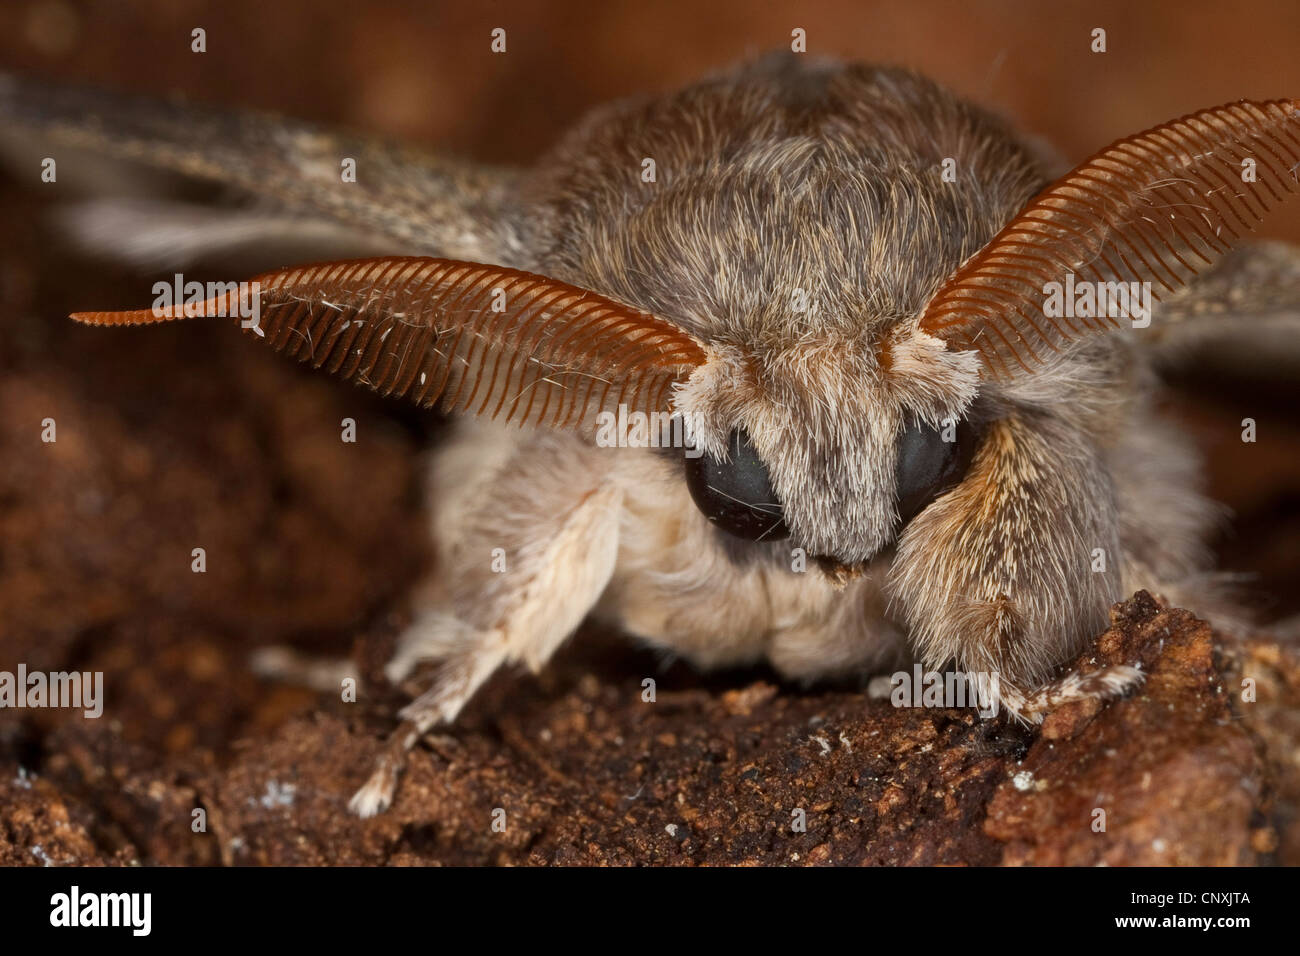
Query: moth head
{"type": "Point", "coordinates": [832, 442]}
{"type": "Point", "coordinates": [842, 439]}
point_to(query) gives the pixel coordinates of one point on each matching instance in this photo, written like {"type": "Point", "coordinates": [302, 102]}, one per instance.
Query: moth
{"type": "Point", "coordinates": [916, 364]}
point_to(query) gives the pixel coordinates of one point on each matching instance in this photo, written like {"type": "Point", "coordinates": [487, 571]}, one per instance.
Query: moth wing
{"type": "Point", "coordinates": [1244, 313]}
{"type": "Point", "coordinates": [164, 234]}
{"type": "Point", "coordinates": [418, 202]}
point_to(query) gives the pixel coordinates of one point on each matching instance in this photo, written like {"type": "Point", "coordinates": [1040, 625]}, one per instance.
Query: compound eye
{"type": "Point", "coordinates": [736, 495]}
{"type": "Point", "coordinates": [928, 465]}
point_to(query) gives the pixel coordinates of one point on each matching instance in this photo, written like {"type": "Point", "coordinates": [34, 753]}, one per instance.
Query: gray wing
{"type": "Point", "coordinates": [421, 203]}
{"type": "Point", "coordinates": [1244, 313]}
{"type": "Point", "coordinates": [159, 234]}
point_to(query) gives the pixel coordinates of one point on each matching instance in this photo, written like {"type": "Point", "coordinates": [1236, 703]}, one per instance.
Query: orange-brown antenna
{"type": "Point", "coordinates": [1159, 207]}
{"type": "Point", "coordinates": [472, 338]}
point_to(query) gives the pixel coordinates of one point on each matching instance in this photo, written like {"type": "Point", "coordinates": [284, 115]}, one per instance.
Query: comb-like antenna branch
{"type": "Point", "coordinates": [473, 338]}
{"type": "Point", "coordinates": [1158, 208]}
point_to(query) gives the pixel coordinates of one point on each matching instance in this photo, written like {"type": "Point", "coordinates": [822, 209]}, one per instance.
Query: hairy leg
{"type": "Point", "coordinates": [1012, 571]}
{"type": "Point", "coordinates": [524, 562]}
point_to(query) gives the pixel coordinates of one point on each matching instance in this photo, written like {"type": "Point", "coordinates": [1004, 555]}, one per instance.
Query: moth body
{"type": "Point", "coordinates": [838, 276]}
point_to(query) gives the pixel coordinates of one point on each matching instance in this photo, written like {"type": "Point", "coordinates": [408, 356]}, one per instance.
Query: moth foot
{"type": "Point", "coordinates": [376, 794]}
{"type": "Point", "coordinates": [438, 705]}
{"type": "Point", "coordinates": [1104, 684]}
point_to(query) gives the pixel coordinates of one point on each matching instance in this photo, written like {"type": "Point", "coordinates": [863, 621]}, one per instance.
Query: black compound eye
{"type": "Point", "coordinates": [928, 465]}
{"type": "Point", "coordinates": [737, 495]}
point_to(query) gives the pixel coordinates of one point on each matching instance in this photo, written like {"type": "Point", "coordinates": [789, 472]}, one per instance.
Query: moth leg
{"type": "Point", "coordinates": [1103, 684]}
{"type": "Point", "coordinates": [1002, 576]}
{"type": "Point", "coordinates": [527, 564]}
